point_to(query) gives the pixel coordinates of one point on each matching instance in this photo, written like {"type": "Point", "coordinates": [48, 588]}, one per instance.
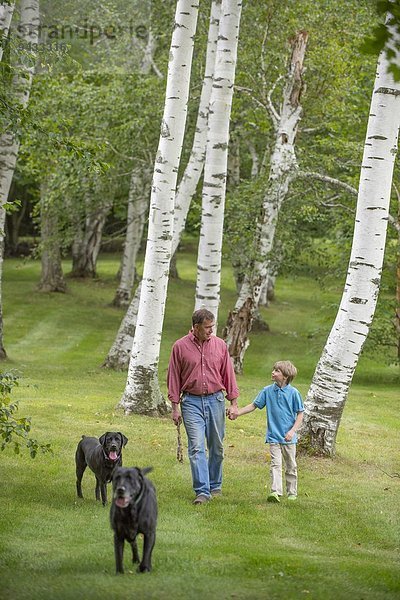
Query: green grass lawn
{"type": "Point", "coordinates": [340, 540]}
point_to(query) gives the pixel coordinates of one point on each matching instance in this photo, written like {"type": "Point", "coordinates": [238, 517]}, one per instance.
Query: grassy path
{"type": "Point", "coordinates": [340, 540]}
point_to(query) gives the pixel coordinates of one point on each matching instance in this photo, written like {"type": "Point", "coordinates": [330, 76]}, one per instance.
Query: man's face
{"type": "Point", "coordinates": [203, 331]}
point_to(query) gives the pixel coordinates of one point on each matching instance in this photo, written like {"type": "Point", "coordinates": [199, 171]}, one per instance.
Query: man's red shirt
{"type": "Point", "coordinates": [200, 369]}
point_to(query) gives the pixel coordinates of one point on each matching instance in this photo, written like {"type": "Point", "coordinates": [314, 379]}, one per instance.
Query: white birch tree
{"type": "Point", "coordinates": [195, 165]}
{"type": "Point", "coordinates": [52, 278]}
{"type": "Point", "coordinates": [283, 165]}
{"type": "Point", "coordinates": [6, 14]}
{"type": "Point", "coordinates": [136, 217]}
{"type": "Point", "coordinates": [28, 32]}
{"type": "Point", "coordinates": [333, 375]}
{"type": "Point", "coordinates": [142, 392]}
{"type": "Point", "coordinates": [87, 243]}
{"type": "Point", "coordinates": [119, 354]}
{"type": "Point", "coordinates": [215, 169]}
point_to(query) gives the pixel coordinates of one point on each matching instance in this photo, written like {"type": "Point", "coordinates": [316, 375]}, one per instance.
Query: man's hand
{"type": "Point", "coordinates": [176, 413]}
{"type": "Point", "coordinates": [232, 411]}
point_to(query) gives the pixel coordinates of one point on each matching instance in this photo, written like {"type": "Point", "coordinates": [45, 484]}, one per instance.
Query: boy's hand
{"type": "Point", "coordinates": [232, 413]}
{"type": "Point", "coordinates": [289, 435]}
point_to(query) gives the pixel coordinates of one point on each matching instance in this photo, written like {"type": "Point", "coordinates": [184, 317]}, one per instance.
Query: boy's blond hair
{"type": "Point", "coordinates": [287, 369]}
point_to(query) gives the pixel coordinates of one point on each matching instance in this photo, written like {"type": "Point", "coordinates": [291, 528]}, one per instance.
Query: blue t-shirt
{"type": "Point", "coordinates": [282, 406]}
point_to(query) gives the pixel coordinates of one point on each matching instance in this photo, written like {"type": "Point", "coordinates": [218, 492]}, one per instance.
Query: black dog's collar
{"type": "Point", "coordinates": [140, 495]}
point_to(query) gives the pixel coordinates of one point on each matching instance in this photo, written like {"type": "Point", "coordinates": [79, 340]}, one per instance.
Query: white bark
{"type": "Point", "coordinates": [21, 85]}
{"type": "Point", "coordinates": [6, 13]}
{"type": "Point", "coordinates": [28, 31]}
{"type": "Point", "coordinates": [194, 168]}
{"type": "Point", "coordinates": [137, 208]}
{"type": "Point", "coordinates": [120, 352]}
{"type": "Point", "coordinates": [142, 392]}
{"type": "Point", "coordinates": [255, 162]}
{"type": "Point", "coordinates": [87, 245]}
{"type": "Point", "coordinates": [215, 170]}
{"type": "Point", "coordinates": [118, 357]}
{"type": "Point", "coordinates": [52, 278]}
{"type": "Point", "coordinates": [283, 164]}
{"type": "Point", "coordinates": [334, 372]}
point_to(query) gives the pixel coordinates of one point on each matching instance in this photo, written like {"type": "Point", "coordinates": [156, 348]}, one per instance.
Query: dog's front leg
{"type": "Point", "coordinates": [148, 545]}
{"type": "Point", "coordinates": [103, 489]}
{"type": "Point", "coordinates": [97, 490]}
{"type": "Point", "coordinates": [119, 553]}
{"type": "Point", "coordinates": [135, 553]}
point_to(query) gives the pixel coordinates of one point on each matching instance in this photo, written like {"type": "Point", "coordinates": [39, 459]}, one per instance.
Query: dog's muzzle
{"type": "Point", "coordinates": [121, 498]}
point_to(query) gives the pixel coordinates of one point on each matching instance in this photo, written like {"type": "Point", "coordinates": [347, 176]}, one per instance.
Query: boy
{"type": "Point", "coordinates": [284, 408]}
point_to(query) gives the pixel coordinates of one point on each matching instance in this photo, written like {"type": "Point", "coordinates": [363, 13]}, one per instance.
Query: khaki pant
{"type": "Point", "coordinates": [288, 453]}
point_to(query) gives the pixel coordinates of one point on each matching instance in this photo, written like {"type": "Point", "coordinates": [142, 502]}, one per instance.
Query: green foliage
{"type": "Point", "coordinates": [382, 35]}
{"type": "Point", "coordinates": [335, 109]}
{"type": "Point", "coordinates": [15, 431]}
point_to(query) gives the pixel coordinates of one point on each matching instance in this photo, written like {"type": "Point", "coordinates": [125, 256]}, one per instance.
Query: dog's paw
{"type": "Point", "coordinates": [143, 569]}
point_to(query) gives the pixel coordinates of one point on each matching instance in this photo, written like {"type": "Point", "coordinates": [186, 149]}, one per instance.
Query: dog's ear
{"type": "Point", "coordinates": [146, 470]}
{"type": "Point", "coordinates": [124, 439]}
{"type": "Point", "coordinates": [102, 439]}
{"type": "Point", "coordinates": [116, 472]}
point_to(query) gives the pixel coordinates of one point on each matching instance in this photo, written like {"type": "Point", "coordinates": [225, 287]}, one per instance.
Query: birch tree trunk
{"type": "Point", "coordinates": [194, 168]}
{"type": "Point", "coordinates": [142, 392]}
{"type": "Point", "coordinates": [283, 163]}
{"type": "Point", "coordinates": [6, 13]}
{"type": "Point", "coordinates": [119, 354]}
{"type": "Point", "coordinates": [137, 208]}
{"type": "Point", "coordinates": [330, 385]}
{"type": "Point", "coordinates": [52, 278]}
{"type": "Point", "coordinates": [397, 313]}
{"type": "Point", "coordinates": [28, 32]}
{"type": "Point", "coordinates": [215, 169]}
{"type": "Point", "coordinates": [87, 244]}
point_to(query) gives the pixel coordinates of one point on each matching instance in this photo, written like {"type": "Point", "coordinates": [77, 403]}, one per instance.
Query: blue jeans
{"type": "Point", "coordinates": [204, 419]}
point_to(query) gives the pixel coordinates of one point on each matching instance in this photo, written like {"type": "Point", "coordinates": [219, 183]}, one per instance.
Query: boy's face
{"type": "Point", "coordinates": [278, 377]}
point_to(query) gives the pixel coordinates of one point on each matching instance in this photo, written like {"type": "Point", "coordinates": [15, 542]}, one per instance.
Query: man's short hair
{"type": "Point", "coordinates": [201, 315]}
{"type": "Point", "coordinates": [287, 369]}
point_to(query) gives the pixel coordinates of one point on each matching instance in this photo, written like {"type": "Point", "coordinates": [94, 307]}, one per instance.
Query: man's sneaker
{"type": "Point", "coordinates": [273, 497]}
{"type": "Point", "coordinates": [292, 497]}
{"type": "Point", "coordinates": [217, 492]}
{"type": "Point", "coordinates": [201, 499]}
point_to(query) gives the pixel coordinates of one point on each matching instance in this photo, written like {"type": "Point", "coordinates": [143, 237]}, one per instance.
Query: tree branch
{"type": "Point", "coordinates": [326, 179]}
{"type": "Point", "coordinates": [275, 116]}
{"type": "Point", "coordinates": [345, 186]}
{"type": "Point", "coordinates": [249, 91]}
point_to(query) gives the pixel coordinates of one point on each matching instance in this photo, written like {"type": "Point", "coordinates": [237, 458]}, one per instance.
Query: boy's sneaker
{"type": "Point", "coordinates": [273, 497]}
{"type": "Point", "coordinates": [216, 492]}
{"type": "Point", "coordinates": [292, 497]}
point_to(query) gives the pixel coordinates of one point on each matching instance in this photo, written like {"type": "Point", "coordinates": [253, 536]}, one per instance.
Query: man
{"type": "Point", "coordinates": [199, 371]}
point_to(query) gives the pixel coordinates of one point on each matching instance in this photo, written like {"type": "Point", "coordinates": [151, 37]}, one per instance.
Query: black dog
{"type": "Point", "coordinates": [133, 511]}
{"type": "Point", "coordinates": [102, 456]}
